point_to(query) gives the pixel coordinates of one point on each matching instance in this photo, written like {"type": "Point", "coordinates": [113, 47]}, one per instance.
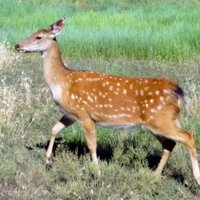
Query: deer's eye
{"type": "Point", "coordinates": [38, 38]}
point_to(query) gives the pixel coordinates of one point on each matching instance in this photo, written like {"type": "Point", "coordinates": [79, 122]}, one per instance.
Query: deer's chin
{"type": "Point", "coordinates": [22, 50]}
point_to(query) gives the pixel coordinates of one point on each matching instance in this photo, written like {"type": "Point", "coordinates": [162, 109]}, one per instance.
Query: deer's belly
{"type": "Point", "coordinates": [118, 126]}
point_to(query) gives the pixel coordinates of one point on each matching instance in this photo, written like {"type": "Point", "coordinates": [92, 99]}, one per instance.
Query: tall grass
{"type": "Point", "coordinates": [154, 30]}
{"type": "Point", "coordinates": [144, 33]}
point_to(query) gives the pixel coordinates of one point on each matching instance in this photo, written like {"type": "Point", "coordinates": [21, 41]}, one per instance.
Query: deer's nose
{"type": "Point", "coordinates": [16, 46]}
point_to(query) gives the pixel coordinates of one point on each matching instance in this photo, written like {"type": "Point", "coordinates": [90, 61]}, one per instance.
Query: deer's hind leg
{"type": "Point", "coordinates": [168, 146]}
{"type": "Point", "coordinates": [174, 133]}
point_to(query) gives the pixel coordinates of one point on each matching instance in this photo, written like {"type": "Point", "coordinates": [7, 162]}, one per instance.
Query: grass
{"type": "Point", "coordinates": [149, 30]}
{"type": "Point", "coordinates": [126, 159]}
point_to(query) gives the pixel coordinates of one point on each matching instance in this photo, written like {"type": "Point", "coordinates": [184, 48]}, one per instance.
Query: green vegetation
{"type": "Point", "coordinates": [107, 36]}
{"type": "Point", "coordinates": [153, 30]}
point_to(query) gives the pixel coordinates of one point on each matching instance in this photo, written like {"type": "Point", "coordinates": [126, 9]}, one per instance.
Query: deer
{"type": "Point", "coordinates": [118, 102]}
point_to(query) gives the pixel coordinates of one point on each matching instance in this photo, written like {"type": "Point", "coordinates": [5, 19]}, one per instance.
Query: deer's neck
{"type": "Point", "coordinates": [53, 67]}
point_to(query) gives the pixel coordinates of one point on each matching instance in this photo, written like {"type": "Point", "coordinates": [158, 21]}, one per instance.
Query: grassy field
{"type": "Point", "coordinates": [129, 38]}
{"type": "Point", "coordinates": [167, 30]}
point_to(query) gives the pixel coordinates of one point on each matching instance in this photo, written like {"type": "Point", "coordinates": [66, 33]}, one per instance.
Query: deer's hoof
{"type": "Point", "coordinates": [49, 165]}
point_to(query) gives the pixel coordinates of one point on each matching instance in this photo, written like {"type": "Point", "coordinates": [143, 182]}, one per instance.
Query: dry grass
{"type": "Point", "coordinates": [192, 101]}
{"type": "Point", "coordinates": [7, 57]}
{"type": "Point", "coordinates": [27, 114]}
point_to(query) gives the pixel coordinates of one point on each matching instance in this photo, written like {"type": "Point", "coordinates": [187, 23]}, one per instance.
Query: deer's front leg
{"type": "Point", "coordinates": [88, 126]}
{"type": "Point", "coordinates": [60, 125]}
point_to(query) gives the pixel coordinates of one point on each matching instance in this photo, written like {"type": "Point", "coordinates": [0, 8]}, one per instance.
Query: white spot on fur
{"type": "Point", "coordinates": [159, 107]}
{"type": "Point", "coordinates": [157, 92]}
{"type": "Point", "coordinates": [90, 99]}
{"type": "Point", "coordinates": [166, 91]}
{"type": "Point", "coordinates": [161, 98]}
{"type": "Point", "coordinates": [72, 96]}
{"type": "Point", "coordinates": [151, 100]}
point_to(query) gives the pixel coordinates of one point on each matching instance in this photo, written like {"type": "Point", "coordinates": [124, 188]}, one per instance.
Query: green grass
{"type": "Point", "coordinates": [146, 31]}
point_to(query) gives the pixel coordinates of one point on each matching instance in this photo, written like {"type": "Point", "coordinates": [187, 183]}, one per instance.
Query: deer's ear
{"type": "Point", "coordinates": [57, 27]}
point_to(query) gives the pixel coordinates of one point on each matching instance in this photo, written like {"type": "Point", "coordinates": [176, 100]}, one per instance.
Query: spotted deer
{"type": "Point", "coordinates": [119, 102]}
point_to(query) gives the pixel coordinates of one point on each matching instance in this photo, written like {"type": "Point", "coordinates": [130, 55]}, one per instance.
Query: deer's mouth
{"type": "Point", "coordinates": [17, 47]}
